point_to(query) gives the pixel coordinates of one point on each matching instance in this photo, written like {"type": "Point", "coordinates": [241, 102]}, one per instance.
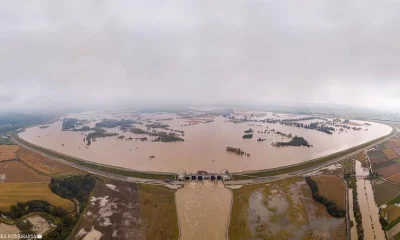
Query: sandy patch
{"type": "Point", "coordinates": [81, 233]}
{"type": "Point", "coordinates": [112, 187]}
{"type": "Point", "coordinates": [39, 224]}
{"type": "Point", "coordinates": [102, 200]}
{"type": "Point", "coordinates": [93, 235]}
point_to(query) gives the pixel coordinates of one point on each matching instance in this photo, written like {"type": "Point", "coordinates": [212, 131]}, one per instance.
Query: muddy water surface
{"type": "Point", "coordinates": [203, 210]}
{"type": "Point", "coordinates": [368, 207]}
{"type": "Point", "coordinates": [204, 147]}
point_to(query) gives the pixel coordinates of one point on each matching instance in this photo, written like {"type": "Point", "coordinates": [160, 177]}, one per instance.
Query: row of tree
{"type": "Point", "coordinates": [332, 207]}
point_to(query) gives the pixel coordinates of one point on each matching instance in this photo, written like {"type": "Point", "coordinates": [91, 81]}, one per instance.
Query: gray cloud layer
{"type": "Point", "coordinates": [63, 53]}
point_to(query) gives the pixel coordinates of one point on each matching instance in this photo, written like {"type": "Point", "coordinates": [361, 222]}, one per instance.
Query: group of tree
{"type": "Point", "coordinates": [75, 187]}
{"type": "Point", "coordinates": [357, 211]}
{"type": "Point", "coordinates": [332, 207]}
{"type": "Point", "coordinates": [63, 225]}
{"type": "Point", "coordinates": [99, 133]}
{"type": "Point", "coordinates": [238, 151]}
{"type": "Point", "coordinates": [20, 209]}
{"type": "Point", "coordinates": [248, 136]}
{"type": "Point", "coordinates": [170, 137]}
{"type": "Point", "coordinates": [15, 121]}
{"type": "Point", "coordinates": [296, 142]}
{"type": "Point", "coordinates": [72, 123]}
{"type": "Point", "coordinates": [157, 125]}
{"type": "Point", "coordinates": [161, 136]}
{"type": "Point", "coordinates": [112, 123]}
{"type": "Point", "coordinates": [248, 130]}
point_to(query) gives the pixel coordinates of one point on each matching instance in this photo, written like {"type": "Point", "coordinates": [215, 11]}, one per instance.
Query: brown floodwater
{"type": "Point", "coordinates": [204, 147]}
{"type": "Point", "coordinates": [203, 210]}
{"type": "Point", "coordinates": [368, 207]}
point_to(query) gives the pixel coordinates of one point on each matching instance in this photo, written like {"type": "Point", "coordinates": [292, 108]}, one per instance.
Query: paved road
{"type": "Point", "coordinates": [173, 185]}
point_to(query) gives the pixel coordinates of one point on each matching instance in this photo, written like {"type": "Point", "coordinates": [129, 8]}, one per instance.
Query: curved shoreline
{"type": "Point", "coordinates": [125, 172]}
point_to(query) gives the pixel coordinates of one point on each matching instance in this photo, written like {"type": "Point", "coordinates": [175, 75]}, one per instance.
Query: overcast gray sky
{"type": "Point", "coordinates": [56, 54]}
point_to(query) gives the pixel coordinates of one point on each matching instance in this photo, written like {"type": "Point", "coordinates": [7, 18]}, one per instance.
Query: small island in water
{"type": "Point", "coordinates": [238, 151]}
{"type": "Point", "coordinates": [296, 142]}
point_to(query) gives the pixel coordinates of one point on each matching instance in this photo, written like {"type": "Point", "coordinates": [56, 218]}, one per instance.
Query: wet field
{"type": "Point", "coordinates": [204, 148]}
{"type": "Point", "coordinates": [203, 210]}
{"type": "Point", "coordinates": [281, 210]}
{"type": "Point", "coordinates": [124, 210]}
{"type": "Point", "coordinates": [113, 212]}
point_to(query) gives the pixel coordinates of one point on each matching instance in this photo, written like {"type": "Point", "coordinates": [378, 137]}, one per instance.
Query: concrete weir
{"type": "Point", "coordinates": [224, 175]}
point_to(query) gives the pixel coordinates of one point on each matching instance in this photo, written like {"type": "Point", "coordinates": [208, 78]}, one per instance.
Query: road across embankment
{"type": "Point", "coordinates": [95, 168]}
{"type": "Point", "coordinates": [269, 175]}
{"type": "Point", "coordinates": [248, 177]}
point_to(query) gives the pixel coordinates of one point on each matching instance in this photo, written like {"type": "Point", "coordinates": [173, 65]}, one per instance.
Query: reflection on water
{"type": "Point", "coordinates": [204, 147]}
{"type": "Point", "coordinates": [203, 210]}
{"type": "Point", "coordinates": [368, 207]}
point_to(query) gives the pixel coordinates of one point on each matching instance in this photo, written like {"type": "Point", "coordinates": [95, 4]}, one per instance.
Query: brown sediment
{"type": "Point", "coordinates": [203, 210]}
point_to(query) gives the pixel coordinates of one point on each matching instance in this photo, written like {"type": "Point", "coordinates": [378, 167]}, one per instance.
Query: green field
{"type": "Point", "coordinates": [158, 212]}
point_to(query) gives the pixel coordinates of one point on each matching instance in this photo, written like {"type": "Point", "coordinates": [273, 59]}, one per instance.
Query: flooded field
{"type": "Point", "coordinates": [281, 210]}
{"type": "Point", "coordinates": [205, 141]}
{"type": "Point", "coordinates": [124, 210]}
{"type": "Point", "coordinates": [368, 207]}
{"type": "Point", "coordinates": [203, 210]}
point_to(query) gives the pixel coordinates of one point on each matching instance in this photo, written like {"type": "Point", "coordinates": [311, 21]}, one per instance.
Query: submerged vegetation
{"type": "Point", "coordinates": [98, 133]}
{"type": "Point", "coordinates": [296, 141]}
{"type": "Point", "coordinates": [248, 131]}
{"type": "Point", "coordinates": [72, 123]}
{"type": "Point", "coordinates": [238, 151]}
{"type": "Point", "coordinates": [170, 137]}
{"type": "Point", "coordinates": [161, 136]}
{"type": "Point", "coordinates": [248, 136]}
{"type": "Point", "coordinates": [157, 125]}
{"type": "Point", "coordinates": [112, 123]}
{"type": "Point", "coordinates": [83, 129]}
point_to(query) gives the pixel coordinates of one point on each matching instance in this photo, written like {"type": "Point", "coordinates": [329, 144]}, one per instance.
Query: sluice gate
{"type": "Point", "coordinates": [224, 175]}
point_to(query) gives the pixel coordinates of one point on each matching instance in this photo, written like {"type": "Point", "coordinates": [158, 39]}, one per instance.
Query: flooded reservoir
{"type": "Point", "coordinates": [368, 207]}
{"type": "Point", "coordinates": [205, 141]}
{"type": "Point", "coordinates": [203, 210]}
